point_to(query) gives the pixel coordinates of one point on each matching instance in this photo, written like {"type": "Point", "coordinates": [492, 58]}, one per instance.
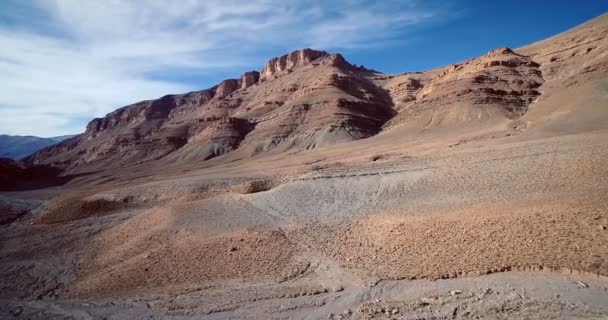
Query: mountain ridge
{"type": "Point", "coordinates": [308, 99]}
{"type": "Point", "coordinates": [19, 146]}
{"type": "Point", "coordinates": [224, 129]}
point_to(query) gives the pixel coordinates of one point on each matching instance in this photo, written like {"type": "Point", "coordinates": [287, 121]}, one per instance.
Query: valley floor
{"type": "Point", "coordinates": [511, 229]}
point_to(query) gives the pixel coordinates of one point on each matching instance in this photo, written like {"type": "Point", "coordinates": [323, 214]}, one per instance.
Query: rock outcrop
{"type": "Point", "coordinates": [287, 62]}
{"type": "Point", "coordinates": [226, 87]}
{"type": "Point", "coordinates": [249, 78]}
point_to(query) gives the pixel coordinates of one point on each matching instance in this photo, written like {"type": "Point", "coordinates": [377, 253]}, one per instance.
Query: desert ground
{"type": "Point", "coordinates": [449, 212]}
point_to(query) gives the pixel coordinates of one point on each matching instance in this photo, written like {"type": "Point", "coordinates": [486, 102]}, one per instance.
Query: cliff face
{"type": "Point", "coordinates": [309, 99]}
{"type": "Point", "coordinates": [249, 78]}
{"type": "Point", "coordinates": [286, 62]}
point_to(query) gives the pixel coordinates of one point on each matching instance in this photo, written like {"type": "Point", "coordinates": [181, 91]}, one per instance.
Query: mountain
{"type": "Point", "coordinates": [302, 100]}
{"type": "Point", "coordinates": [17, 147]}
{"type": "Point", "coordinates": [309, 99]}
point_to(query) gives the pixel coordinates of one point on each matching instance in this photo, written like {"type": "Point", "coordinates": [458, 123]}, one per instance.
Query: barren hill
{"type": "Point", "coordinates": [302, 100]}
{"type": "Point", "coordinates": [309, 99]}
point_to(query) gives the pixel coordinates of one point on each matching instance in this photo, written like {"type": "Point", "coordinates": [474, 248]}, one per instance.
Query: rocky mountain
{"type": "Point", "coordinates": [302, 100]}
{"type": "Point", "coordinates": [309, 99]}
{"type": "Point", "coordinates": [17, 147]}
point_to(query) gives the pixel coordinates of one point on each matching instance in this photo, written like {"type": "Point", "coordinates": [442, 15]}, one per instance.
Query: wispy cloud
{"type": "Point", "coordinates": [67, 60]}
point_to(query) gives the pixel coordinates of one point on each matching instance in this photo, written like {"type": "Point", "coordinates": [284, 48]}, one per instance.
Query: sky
{"type": "Point", "coordinates": [64, 62]}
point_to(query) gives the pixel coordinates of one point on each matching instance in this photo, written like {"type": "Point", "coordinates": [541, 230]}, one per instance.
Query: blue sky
{"type": "Point", "coordinates": [64, 62]}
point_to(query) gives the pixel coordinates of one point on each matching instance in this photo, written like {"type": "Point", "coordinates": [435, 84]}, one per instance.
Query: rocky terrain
{"type": "Point", "coordinates": [315, 189]}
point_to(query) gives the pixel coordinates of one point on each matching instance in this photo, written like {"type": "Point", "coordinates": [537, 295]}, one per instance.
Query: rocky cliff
{"type": "Point", "coordinates": [287, 62]}
{"type": "Point", "coordinates": [319, 99]}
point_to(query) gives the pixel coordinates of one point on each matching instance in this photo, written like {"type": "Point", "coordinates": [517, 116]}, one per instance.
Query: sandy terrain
{"type": "Point", "coordinates": [328, 241]}
{"type": "Point", "coordinates": [459, 208]}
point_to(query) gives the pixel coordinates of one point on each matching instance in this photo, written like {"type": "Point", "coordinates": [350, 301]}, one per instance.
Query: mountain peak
{"type": "Point", "coordinates": [290, 60]}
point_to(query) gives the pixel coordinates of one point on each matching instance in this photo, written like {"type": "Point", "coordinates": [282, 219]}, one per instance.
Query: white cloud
{"type": "Point", "coordinates": [64, 61]}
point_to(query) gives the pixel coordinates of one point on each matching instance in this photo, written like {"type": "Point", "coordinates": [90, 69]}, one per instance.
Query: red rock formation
{"type": "Point", "coordinates": [289, 61]}
{"type": "Point", "coordinates": [226, 87]}
{"type": "Point", "coordinates": [249, 78]}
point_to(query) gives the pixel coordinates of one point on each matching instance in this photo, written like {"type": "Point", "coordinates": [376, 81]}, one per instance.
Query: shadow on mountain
{"type": "Point", "coordinates": [17, 176]}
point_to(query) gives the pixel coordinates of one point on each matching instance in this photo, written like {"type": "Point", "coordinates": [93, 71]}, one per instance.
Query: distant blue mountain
{"type": "Point", "coordinates": [17, 147]}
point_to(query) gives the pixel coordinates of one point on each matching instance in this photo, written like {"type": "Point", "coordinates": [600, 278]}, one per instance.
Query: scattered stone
{"type": "Point", "coordinates": [395, 311]}
{"type": "Point", "coordinates": [602, 227]}
{"type": "Point", "coordinates": [455, 292]}
{"type": "Point", "coordinates": [233, 249]}
{"type": "Point", "coordinates": [338, 289]}
{"type": "Point", "coordinates": [582, 284]}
